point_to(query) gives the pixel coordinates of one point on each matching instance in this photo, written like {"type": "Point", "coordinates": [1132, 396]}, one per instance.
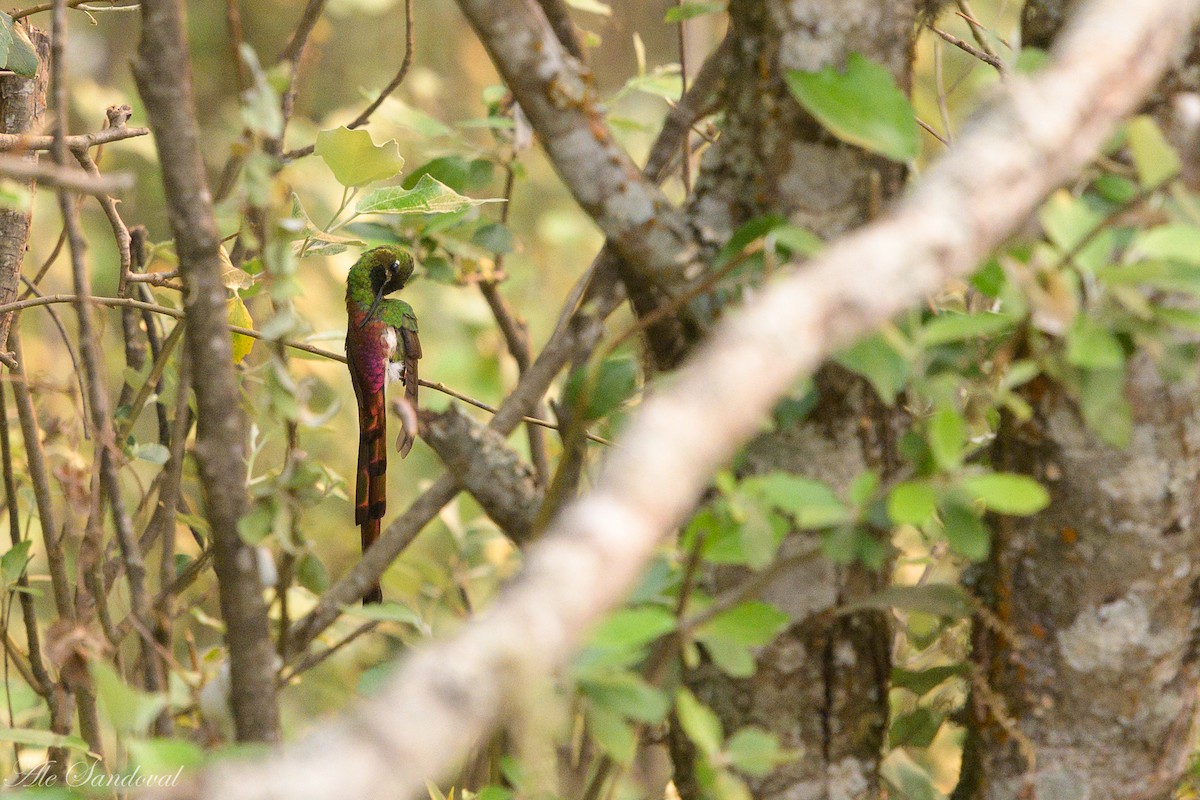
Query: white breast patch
{"type": "Point", "coordinates": [395, 369]}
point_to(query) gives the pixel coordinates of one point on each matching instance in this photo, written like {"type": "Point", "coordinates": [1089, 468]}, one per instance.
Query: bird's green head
{"type": "Point", "coordinates": [378, 272]}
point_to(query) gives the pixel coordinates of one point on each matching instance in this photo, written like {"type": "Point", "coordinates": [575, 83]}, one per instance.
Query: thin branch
{"type": "Point", "coordinates": [442, 699]}
{"type": "Point", "coordinates": [83, 141]}
{"type": "Point", "coordinates": [394, 84]}
{"type": "Point", "coordinates": [163, 76]}
{"type": "Point", "coordinates": [977, 30]}
{"type": "Point", "coordinates": [41, 682]}
{"type": "Point", "coordinates": [25, 12]}
{"type": "Point", "coordinates": [988, 58]}
{"type": "Point", "coordinates": [515, 330]}
{"type": "Point", "coordinates": [128, 302]}
{"type": "Point", "coordinates": [39, 476]}
{"type": "Point", "coordinates": [61, 177]}
{"type": "Point", "coordinates": [308, 20]}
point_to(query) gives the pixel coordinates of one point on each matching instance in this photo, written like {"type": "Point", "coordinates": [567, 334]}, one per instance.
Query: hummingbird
{"type": "Point", "coordinates": [382, 347]}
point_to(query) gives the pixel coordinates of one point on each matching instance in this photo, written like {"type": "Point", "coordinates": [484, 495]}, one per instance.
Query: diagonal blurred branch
{"type": "Point", "coordinates": [1041, 131]}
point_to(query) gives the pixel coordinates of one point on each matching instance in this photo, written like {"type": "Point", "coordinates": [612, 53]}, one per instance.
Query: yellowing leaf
{"type": "Point", "coordinates": [1154, 157]}
{"type": "Point", "coordinates": [239, 316]}
{"type": "Point", "coordinates": [355, 159]}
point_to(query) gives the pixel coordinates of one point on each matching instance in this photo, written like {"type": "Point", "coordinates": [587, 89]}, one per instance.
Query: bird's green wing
{"type": "Point", "coordinates": [398, 314]}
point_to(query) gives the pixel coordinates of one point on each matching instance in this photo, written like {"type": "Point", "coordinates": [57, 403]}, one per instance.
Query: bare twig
{"type": "Point", "coordinates": [988, 58]}
{"type": "Point", "coordinates": [81, 141]}
{"type": "Point", "coordinates": [39, 477]}
{"type": "Point", "coordinates": [61, 177]}
{"type": "Point", "coordinates": [977, 30]}
{"type": "Point", "coordinates": [25, 12]}
{"type": "Point", "coordinates": [515, 331]}
{"type": "Point", "coordinates": [392, 86]}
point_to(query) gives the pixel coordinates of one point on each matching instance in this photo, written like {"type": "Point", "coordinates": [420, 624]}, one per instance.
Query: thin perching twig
{"type": "Point", "coordinates": [394, 84]}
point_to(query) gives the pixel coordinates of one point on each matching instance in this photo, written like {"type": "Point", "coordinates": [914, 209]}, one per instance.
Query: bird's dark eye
{"type": "Point", "coordinates": [395, 266]}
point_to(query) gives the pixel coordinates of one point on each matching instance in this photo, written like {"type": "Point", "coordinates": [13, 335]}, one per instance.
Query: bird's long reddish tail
{"type": "Point", "coordinates": [370, 494]}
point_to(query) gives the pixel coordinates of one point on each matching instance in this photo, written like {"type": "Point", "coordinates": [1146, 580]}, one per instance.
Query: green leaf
{"type": "Point", "coordinates": [627, 694]}
{"type": "Point", "coordinates": [39, 738]}
{"type": "Point", "coordinates": [912, 503]}
{"type": "Point", "coordinates": [921, 682]}
{"type": "Point", "coordinates": [1154, 157]}
{"type": "Point", "coordinates": [692, 8]}
{"type": "Point", "coordinates": [938, 599]}
{"type": "Point", "coordinates": [355, 159]}
{"type": "Point", "coordinates": [429, 196]}
{"type": "Point", "coordinates": [164, 756]}
{"type": "Point", "coordinates": [633, 628]}
{"type": "Point", "coordinates": [734, 659]}
{"type": "Point", "coordinates": [456, 172]}
{"type": "Point", "coordinates": [966, 533]}
{"type": "Point", "coordinates": [256, 524]}
{"type": "Point", "coordinates": [390, 612]}
{"type": "Point", "coordinates": [613, 733]}
{"type": "Point", "coordinates": [915, 729]}
{"type": "Point", "coordinates": [1169, 243]}
{"type": "Point", "coordinates": [12, 563]}
{"type": "Point", "coordinates": [954, 327]}
{"type": "Point", "coordinates": [947, 438]}
{"type": "Point", "coordinates": [753, 623]}
{"type": "Point", "coordinates": [811, 503]}
{"type": "Point", "coordinates": [861, 105]}
{"type": "Point", "coordinates": [1104, 405]}
{"type": "Point", "coordinates": [1092, 346]}
{"type": "Point", "coordinates": [1068, 220]}
{"type": "Point", "coordinates": [1007, 493]}
{"type": "Point", "coordinates": [908, 779]}
{"type": "Point", "coordinates": [494, 237]}
{"type": "Point", "coordinates": [616, 382]}
{"type": "Point", "coordinates": [311, 574]}
{"type": "Point", "coordinates": [755, 751]}
{"type": "Point", "coordinates": [760, 534]}
{"type": "Point", "coordinates": [699, 722]}
{"type": "Point", "coordinates": [129, 710]}
{"type": "Point", "coordinates": [863, 488]}
{"type": "Point", "coordinates": [878, 361]}
{"type": "Point", "coordinates": [16, 51]}
{"type": "Point", "coordinates": [153, 452]}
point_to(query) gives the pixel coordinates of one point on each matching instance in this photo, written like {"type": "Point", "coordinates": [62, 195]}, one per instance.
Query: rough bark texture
{"type": "Point", "coordinates": [164, 80]}
{"type": "Point", "coordinates": [1101, 591]}
{"type": "Point", "coordinates": [483, 464]}
{"type": "Point", "coordinates": [821, 686]}
{"type": "Point", "coordinates": [1096, 695]}
{"type": "Point", "coordinates": [22, 106]}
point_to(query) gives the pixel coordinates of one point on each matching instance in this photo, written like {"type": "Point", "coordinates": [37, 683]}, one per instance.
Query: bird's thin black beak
{"type": "Point", "coordinates": [374, 306]}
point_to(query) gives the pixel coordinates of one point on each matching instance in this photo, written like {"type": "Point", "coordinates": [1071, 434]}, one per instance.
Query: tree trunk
{"type": "Point", "coordinates": [821, 686]}
{"type": "Point", "coordinates": [1086, 675]}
